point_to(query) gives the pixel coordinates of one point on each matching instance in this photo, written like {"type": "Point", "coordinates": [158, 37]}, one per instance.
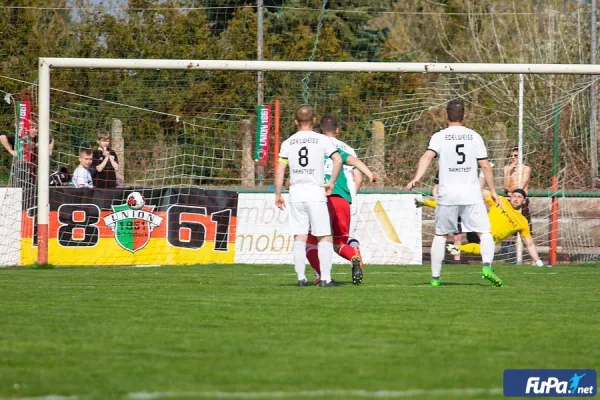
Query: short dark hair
{"type": "Point", "coordinates": [305, 114]}
{"type": "Point", "coordinates": [516, 148]}
{"type": "Point", "coordinates": [328, 124]}
{"type": "Point", "coordinates": [521, 192]}
{"type": "Point", "coordinates": [86, 152]}
{"type": "Point", "coordinates": [455, 110]}
{"type": "Point", "coordinates": [317, 128]}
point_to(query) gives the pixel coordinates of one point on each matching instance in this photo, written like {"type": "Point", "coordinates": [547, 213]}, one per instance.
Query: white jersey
{"type": "Point", "coordinates": [305, 152]}
{"type": "Point", "coordinates": [458, 150]}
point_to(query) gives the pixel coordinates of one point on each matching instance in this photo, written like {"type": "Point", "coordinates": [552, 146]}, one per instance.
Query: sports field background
{"type": "Point", "coordinates": [249, 332]}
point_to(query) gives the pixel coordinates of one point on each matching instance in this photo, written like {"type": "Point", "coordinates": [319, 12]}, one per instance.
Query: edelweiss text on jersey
{"type": "Point", "coordinates": [458, 136]}
{"type": "Point", "coordinates": [303, 140]}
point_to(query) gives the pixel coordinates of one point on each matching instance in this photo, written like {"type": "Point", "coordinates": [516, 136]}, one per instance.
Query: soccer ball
{"type": "Point", "coordinates": [135, 200]}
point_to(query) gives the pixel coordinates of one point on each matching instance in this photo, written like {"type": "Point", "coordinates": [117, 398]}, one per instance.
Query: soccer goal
{"type": "Point", "coordinates": [190, 136]}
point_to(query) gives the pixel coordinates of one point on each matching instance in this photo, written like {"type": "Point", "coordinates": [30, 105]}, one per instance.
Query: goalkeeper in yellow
{"type": "Point", "coordinates": [505, 221]}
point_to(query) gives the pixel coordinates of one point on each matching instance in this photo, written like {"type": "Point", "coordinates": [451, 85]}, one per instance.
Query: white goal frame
{"type": "Point", "coordinates": [46, 63]}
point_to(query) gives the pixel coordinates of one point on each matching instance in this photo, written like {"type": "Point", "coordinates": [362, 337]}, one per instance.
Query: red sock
{"type": "Point", "coordinates": [347, 251]}
{"type": "Point", "coordinates": [312, 254]}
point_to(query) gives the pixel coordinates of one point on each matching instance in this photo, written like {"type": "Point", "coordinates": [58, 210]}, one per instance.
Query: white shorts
{"type": "Point", "coordinates": [310, 217]}
{"type": "Point", "coordinates": [473, 217]}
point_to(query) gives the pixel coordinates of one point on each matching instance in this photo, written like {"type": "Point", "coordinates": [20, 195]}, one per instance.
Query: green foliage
{"type": "Point", "coordinates": [353, 30]}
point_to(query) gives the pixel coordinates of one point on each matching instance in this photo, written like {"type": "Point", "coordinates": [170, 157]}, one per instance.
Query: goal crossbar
{"type": "Point", "coordinates": [317, 66]}
{"type": "Point", "coordinates": [46, 63]}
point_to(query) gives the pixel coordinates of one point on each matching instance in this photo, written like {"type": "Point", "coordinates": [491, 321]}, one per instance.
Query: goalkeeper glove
{"type": "Point", "coordinates": [419, 203]}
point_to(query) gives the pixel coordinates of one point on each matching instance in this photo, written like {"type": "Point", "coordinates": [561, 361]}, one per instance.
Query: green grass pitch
{"type": "Point", "coordinates": [248, 332]}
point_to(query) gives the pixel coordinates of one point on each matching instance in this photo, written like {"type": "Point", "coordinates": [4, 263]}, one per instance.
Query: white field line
{"type": "Point", "coordinates": [318, 394]}
{"type": "Point", "coordinates": [477, 272]}
{"type": "Point", "coordinates": [311, 394]}
{"type": "Point", "coordinates": [46, 397]}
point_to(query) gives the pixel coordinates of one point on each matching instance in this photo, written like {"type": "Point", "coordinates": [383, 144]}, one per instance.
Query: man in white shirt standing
{"type": "Point", "coordinates": [304, 152]}
{"type": "Point", "coordinates": [459, 151]}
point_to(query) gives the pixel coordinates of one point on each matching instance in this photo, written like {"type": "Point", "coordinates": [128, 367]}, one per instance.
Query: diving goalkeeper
{"type": "Point", "coordinates": [505, 222]}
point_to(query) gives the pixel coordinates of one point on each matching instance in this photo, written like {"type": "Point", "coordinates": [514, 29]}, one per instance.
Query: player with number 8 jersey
{"type": "Point", "coordinates": [303, 152]}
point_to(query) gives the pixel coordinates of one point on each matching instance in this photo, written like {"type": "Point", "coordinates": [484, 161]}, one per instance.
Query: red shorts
{"type": "Point", "coordinates": [339, 214]}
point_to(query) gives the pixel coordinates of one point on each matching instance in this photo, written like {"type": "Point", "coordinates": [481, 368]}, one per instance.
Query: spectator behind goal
{"type": "Point", "coordinates": [82, 178]}
{"type": "Point", "coordinates": [105, 163]}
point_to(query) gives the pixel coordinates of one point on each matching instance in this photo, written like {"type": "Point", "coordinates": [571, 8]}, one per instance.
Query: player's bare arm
{"type": "Point", "coordinates": [358, 179]}
{"type": "Point", "coordinates": [424, 162]}
{"type": "Point", "coordinates": [359, 165]}
{"type": "Point", "coordinates": [279, 176]}
{"type": "Point", "coordinates": [532, 250]}
{"type": "Point", "coordinates": [486, 168]}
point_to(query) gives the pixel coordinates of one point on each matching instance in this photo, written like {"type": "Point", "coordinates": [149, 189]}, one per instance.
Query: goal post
{"type": "Point", "coordinates": [47, 64]}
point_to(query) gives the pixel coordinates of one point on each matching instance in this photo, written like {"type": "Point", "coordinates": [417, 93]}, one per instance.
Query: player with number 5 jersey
{"type": "Point", "coordinates": [459, 151]}
{"type": "Point", "coordinates": [303, 152]}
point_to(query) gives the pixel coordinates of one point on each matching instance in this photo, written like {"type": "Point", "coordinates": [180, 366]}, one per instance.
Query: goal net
{"type": "Point", "coordinates": [191, 137]}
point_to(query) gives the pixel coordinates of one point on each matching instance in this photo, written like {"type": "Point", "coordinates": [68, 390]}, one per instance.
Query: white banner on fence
{"type": "Point", "coordinates": [388, 228]}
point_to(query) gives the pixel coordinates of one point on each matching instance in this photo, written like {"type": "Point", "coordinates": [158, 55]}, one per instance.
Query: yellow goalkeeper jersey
{"type": "Point", "coordinates": [506, 221]}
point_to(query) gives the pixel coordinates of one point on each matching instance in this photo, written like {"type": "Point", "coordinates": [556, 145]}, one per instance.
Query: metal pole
{"type": "Point", "coordinates": [593, 110]}
{"type": "Point", "coordinates": [260, 84]}
{"type": "Point", "coordinates": [259, 51]}
{"type": "Point", "coordinates": [43, 160]}
{"type": "Point", "coordinates": [554, 207]}
{"type": "Point", "coordinates": [520, 164]}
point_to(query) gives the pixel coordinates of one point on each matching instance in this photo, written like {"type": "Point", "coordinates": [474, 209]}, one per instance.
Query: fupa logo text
{"type": "Point", "coordinates": [550, 382]}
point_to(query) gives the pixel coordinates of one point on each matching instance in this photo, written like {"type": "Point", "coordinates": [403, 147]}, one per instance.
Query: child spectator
{"type": "Point", "coordinates": [105, 163]}
{"type": "Point", "coordinates": [82, 178]}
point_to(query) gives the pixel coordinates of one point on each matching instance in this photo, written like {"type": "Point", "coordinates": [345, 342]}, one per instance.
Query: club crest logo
{"type": "Point", "coordinates": [132, 228]}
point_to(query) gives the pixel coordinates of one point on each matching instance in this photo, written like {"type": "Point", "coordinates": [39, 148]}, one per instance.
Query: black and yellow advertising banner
{"type": "Point", "coordinates": [96, 227]}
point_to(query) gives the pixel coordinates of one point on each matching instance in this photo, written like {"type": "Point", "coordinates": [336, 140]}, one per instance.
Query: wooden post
{"type": "Point", "coordinates": [499, 152]}
{"type": "Point", "coordinates": [247, 161]}
{"type": "Point", "coordinates": [377, 163]}
{"type": "Point", "coordinates": [118, 145]}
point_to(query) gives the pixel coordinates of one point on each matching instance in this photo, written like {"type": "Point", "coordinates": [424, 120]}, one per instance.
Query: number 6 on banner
{"type": "Point", "coordinates": [189, 226]}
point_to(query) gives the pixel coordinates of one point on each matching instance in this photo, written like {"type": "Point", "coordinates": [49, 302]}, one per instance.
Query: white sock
{"type": "Point", "coordinates": [438, 249]}
{"type": "Point", "coordinates": [487, 248]}
{"type": "Point", "coordinates": [300, 259]}
{"type": "Point", "coordinates": [325, 257]}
